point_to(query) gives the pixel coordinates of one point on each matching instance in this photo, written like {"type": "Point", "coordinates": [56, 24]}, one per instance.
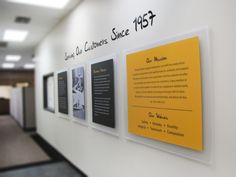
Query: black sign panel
{"type": "Point", "coordinates": [62, 92]}
{"type": "Point", "coordinates": [103, 93]}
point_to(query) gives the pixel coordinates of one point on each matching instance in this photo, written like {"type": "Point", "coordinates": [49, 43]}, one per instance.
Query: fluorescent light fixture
{"type": "Point", "coordinates": [13, 58]}
{"type": "Point", "coordinates": [29, 66]}
{"type": "Point", "coordinates": [8, 65]}
{"type": "Point", "coordinates": [15, 35]}
{"type": "Point", "coordinates": [56, 4]}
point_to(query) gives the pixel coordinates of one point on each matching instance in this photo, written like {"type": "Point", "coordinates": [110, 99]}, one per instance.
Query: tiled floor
{"type": "Point", "coordinates": [16, 146]}
{"type": "Point", "coordinates": [29, 155]}
{"type": "Point", "coordinates": [59, 169]}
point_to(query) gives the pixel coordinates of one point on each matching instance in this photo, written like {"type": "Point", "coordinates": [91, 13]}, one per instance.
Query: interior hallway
{"type": "Point", "coordinates": [27, 155]}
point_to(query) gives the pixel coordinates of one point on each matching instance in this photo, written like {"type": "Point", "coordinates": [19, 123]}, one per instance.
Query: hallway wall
{"type": "Point", "coordinates": [102, 155]}
{"type": "Point", "coordinates": [5, 91]}
{"type": "Point", "coordinates": [17, 76]}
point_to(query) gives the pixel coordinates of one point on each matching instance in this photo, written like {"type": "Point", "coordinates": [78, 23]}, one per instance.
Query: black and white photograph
{"type": "Point", "coordinates": [78, 92]}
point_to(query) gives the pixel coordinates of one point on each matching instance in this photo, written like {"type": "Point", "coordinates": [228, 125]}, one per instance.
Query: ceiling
{"type": "Point", "coordinates": [42, 21]}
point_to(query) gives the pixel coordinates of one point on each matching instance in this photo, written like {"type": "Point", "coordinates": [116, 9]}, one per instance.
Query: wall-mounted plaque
{"type": "Point", "coordinates": [164, 93]}
{"type": "Point", "coordinates": [49, 92]}
{"type": "Point", "coordinates": [62, 92]}
{"type": "Point", "coordinates": [102, 74]}
{"type": "Point", "coordinates": [78, 93]}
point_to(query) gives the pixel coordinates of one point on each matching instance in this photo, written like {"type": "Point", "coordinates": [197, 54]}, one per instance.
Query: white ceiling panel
{"type": "Point", "coordinates": [43, 19]}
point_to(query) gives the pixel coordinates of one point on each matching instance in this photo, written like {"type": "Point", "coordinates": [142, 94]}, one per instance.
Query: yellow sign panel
{"type": "Point", "coordinates": [164, 93]}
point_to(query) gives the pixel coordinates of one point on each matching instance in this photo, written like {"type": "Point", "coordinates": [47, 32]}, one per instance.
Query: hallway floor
{"type": "Point", "coordinates": [28, 155]}
{"type": "Point", "coordinates": [58, 169]}
{"type": "Point", "coordinates": [16, 146]}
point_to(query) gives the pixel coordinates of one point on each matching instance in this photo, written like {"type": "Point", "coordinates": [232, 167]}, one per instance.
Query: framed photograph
{"type": "Point", "coordinates": [78, 93]}
{"type": "Point", "coordinates": [49, 92]}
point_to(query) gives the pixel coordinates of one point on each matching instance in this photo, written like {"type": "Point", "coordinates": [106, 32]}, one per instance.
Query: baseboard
{"type": "Point", "coordinates": [26, 165]}
{"type": "Point", "coordinates": [53, 153]}
{"type": "Point", "coordinates": [29, 129]}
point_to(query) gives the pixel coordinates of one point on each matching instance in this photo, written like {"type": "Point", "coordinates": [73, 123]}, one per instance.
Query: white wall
{"type": "Point", "coordinates": [16, 105]}
{"type": "Point", "coordinates": [5, 91]}
{"type": "Point", "coordinates": [22, 106]}
{"type": "Point", "coordinates": [102, 155]}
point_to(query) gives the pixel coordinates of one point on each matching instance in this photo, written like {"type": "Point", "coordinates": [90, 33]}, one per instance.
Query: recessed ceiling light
{"type": "Point", "coordinates": [29, 66]}
{"type": "Point", "coordinates": [8, 65]}
{"type": "Point", "coordinates": [57, 4]}
{"type": "Point", "coordinates": [13, 58]}
{"type": "Point", "coordinates": [15, 35]}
